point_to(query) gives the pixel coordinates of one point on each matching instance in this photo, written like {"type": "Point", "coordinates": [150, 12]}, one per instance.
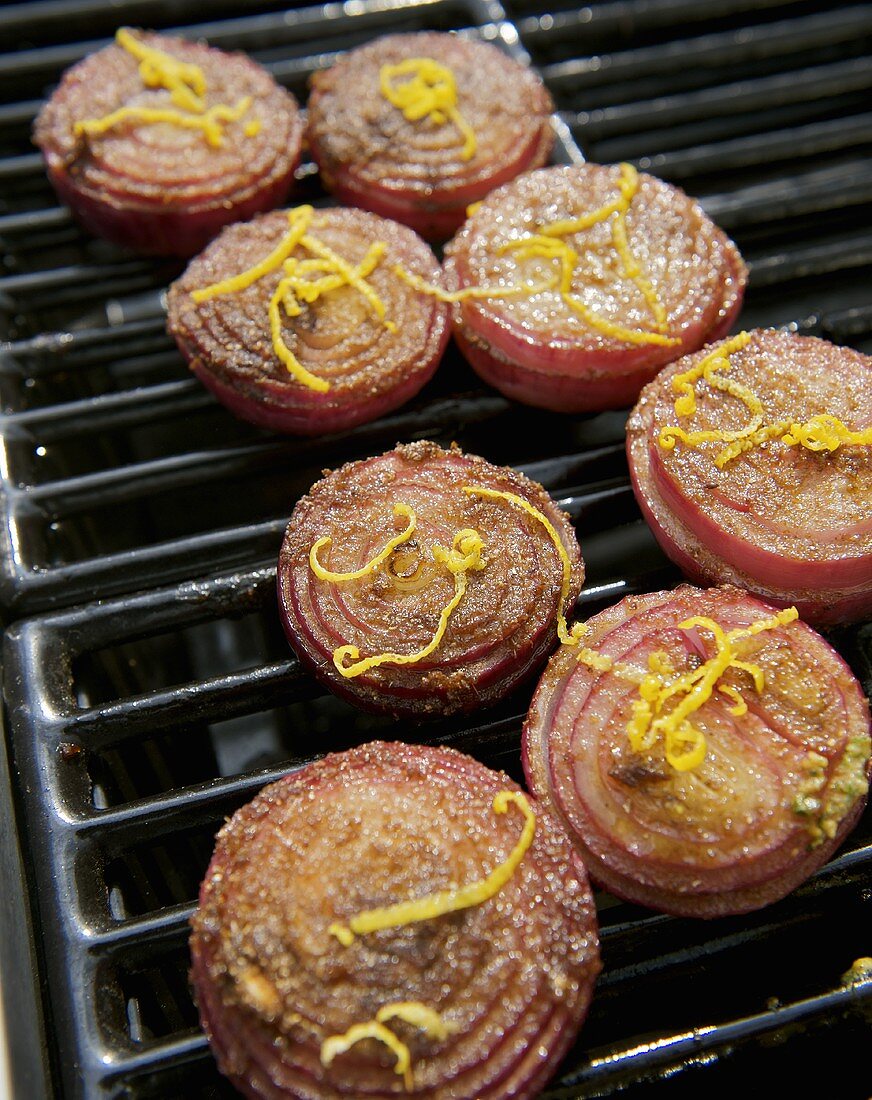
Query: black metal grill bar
{"type": "Point", "coordinates": [810, 85]}
{"type": "Point", "coordinates": [751, 150]}
{"type": "Point", "coordinates": [627, 19]}
{"type": "Point", "coordinates": [675, 1049]}
{"type": "Point", "coordinates": [811, 192]}
{"type": "Point", "coordinates": [840, 254]}
{"type": "Point", "coordinates": [27, 19]}
{"type": "Point", "coordinates": [113, 410]}
{"type": "Point", "coordinates": [77, 274]}
{"type": "Point", "coordinates": [250, 33]}
{"type": "Point", "coordinates": [31, 221]}
{"type": "Point", "coordinates": [26, 164]}
{"type": "Point", "coordinates": [770, 40]}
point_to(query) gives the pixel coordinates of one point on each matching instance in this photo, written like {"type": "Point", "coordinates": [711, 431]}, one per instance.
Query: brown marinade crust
{"type": "Point", "coordinates": [188, 172]}
{"type": "Point", "coordinates": [354, 125]}
{"type": "Point", "coordinates": [503, 627]}
{"type": "Point", "coordinates": [338, 338]}
{"type": "Point", "coordinates": [380, 824]}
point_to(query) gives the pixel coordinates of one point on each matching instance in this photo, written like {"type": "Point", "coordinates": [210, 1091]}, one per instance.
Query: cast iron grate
{"type": "Point", "coordinates": [138, 722]}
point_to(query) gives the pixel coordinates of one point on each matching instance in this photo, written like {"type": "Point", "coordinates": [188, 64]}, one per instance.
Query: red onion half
{"type": "Point", "coordinates": [504, 624]}
{"type": "Point", "coordinates": [791, 524]}
{"type": "Point", "coordinates": [370, 368]}
{"type": "Point", "coordinates": [538, 350]}
{"type": "Point", "coordinates": [779, 787]}
{"type": "Point", "coordinates": [510, 977]}
{"type": "Point", "coordinates": [161, 188]}
{"type": "Point", "coordinates": [414, 170]}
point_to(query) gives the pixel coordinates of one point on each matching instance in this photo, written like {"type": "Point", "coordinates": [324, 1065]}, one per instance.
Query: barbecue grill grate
{"type": "Point", "coordinates": [138, 722]}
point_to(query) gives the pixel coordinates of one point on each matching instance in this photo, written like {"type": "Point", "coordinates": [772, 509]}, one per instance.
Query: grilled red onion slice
{"type": "Point", "coordinates": [499, 632]}
{"type": "Point", "coordinates": [161, 188]}
{"type": "Point", "coordinates": [370, 368]}
{"type": "Point", "coordinates": [510, 977]}
{"type": "Point", "coordinates": [790, 524]}
{"type": "Point", "coordinates": [536, 348]}
{"type": "Point", "coordinates": [778, 790]}
{"type": "Point", "coordinates": [371, 155]}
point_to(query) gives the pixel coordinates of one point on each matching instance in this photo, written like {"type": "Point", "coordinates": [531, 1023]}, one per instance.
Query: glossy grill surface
{"type": "Point", "coordinates": [148, 689]}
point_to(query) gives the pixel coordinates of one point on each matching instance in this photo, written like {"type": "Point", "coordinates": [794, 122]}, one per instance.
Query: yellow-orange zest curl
{"type": "Point", "coordinates": [566, 636]}
{"type": "Point", "coordinates": [382, 556]}
{"type": "Point", "coordinates": [451, 900]}
{"type": "Point", "coordinates": [685, 746]}
{"type": "Point", "coordinates": [412, 1012]}
{"type": "Point", "coordinates": [304, 281]}
{"type": "Point", "coordinates": [548, 244]}
{"type": "Point", "coordinates": [822, 432]}
{"type": "Point", "coordinates": [423, 88]}
{"type": "Point", "coordinates": [466, 553]}
{"type": "Point", "coordinates": [187, 86]}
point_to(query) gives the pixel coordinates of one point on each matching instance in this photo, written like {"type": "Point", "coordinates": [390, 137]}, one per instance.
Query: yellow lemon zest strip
{"type": "Point", "coordinates": [210, 122]}
{"type": "Point", "coordinates": [567, 636]}
{"type": "Point", "coordinates": [448, 901]}
{"type": "Point", "coordinates": [186, 82]}
{"type": "Point", "coordinates": [825, 433]}
{"type": "Point", "coordinates": [354, 276]}
{"type": "Point", "coordinates": [284, 353]}
{"type": "Point", "coordinates": [471, 291]}
{"type": "Point", "coordinates": [371, 566]}
{"type": "Point", "coordinates": [822, 432]}
{"type": "Point", "coordinates": [578, 225]}
{"type": "Point", "coordinates": [299, 220]}
{"type": "Point", "coordinates": [419, 1015]}
{"type": "Point", "coordinates": [685, 746]}
{"type": "Point", "coordinates": [550, 248]}
{"type": "Point", "coordinates": [465, 554]}
{"type": "Point", "coordinates": [631, 336]}
{"type": "Point", "coordinates": [295, 286]}
{"type": "Point", "coordinates": [430, 93]}
{"type": "Point", "coordinates": [629, 185]}
{"type": "Point", "coordinates": [548, 245]}
{"type": "Point", "coordinates": [717, 360]}
{"type": "Point", "coordinates": [741, 707]}
{"type": "Point", "coordinates": [412, 1012]}
{"type": "Point", "coordinates": [338, 1044]}
{"type": "Point", "coordinates": [747, 442]}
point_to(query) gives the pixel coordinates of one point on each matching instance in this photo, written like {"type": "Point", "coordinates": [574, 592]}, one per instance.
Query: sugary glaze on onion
{"type": "Point", "coordinates": [418, 126]}
{"type": "Point", "coordinates": [473, 983]}
{"type": "Point", "coordinates": [623, 273]}
{"type": "Point", "coordinates": [705, 752]}
{"type": "Point", "coordinates": [784, 513]}
{"type": "Point", "coordinates": [351, 341]}
{"type": "Point", "coordinates": [464, 572]}
{"type": "Point", "coordinates": [156, 143]}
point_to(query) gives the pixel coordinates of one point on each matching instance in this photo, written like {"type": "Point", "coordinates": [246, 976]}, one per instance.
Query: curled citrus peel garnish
{"type": "Point", "coordinates": [451, 900]}
{"type": "Point", "coordinates": [412, 1012]}
{"type": "Point", "coordinates": [466, 554]}
{"type": "Point", "coordinates": [187, 86]}
{"type": "Point", "coordinates": [382, 556]}
{"type": "Point", "coordinates": [822, 432]}
{"type": "Point", "coordinates": [304, 281]}
{"type": "Point", "coordinates": [567, 636]}
{"type": "Point", "coordinates": [685, 746]}
{"type": "Point", "coordinates": [423, 88]}
{"type": "Point", "coordinates": [548, 244]}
